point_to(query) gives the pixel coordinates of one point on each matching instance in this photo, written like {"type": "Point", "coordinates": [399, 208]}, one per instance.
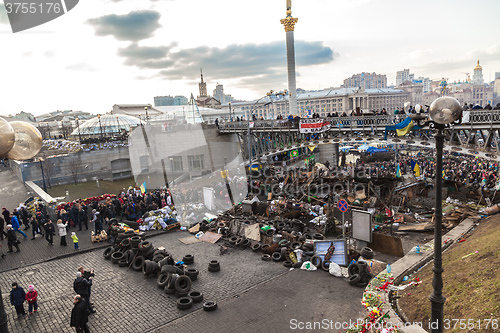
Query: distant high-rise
{"type": "Point", "coordinates": [404, 75]}
{"type": "Point", "coordinates": [220, 96]}
{"type": "Point", "coordinates": [477, 78]}
{"type": "Point", "coordinates": [366, 81]}
{"type": "Point", "coordinates": [180, 100]}
{"type": "Point", "coordinates": [202, 87]}
{"type": "Point", "coordinates": [164, 100]}
{"type": "Point", "coordinates": [425, 81]}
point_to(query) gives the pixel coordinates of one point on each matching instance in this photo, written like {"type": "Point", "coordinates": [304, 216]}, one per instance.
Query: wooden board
{"type": "Point", "coordinates": [210, 237]}
{"type": "Point", "coordinates": [189, 240]}
{"type": "Point", "coordinates": [387, 244]}
{"type": "Point", "coordinates": [194, 229]}
{"type": "Point", "coordinates": [418, 227]}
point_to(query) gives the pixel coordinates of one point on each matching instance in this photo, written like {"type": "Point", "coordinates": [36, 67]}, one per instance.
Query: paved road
{"type": "Point", "coordinates": [251, 294]}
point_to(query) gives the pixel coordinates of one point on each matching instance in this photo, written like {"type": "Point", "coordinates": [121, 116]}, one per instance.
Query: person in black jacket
{"type": "Point", "coordinates": [81, 287]}
{"type": "Point", "coordinates": [12, 238]}
{"type": "Point", "coordinates": [79, 316]}
{"type": "Point", "coordinates": [49, 232]}
{"type": "Point", "coordinates": [82, 218]}
{"type": "Point", "coordinates": [17, 298]}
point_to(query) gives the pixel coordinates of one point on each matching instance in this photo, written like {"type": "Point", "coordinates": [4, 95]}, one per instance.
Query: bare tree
{"type": "Point", "coordinates": [75, 167]}
{"type": "Point", "coordinates": [48, 168]}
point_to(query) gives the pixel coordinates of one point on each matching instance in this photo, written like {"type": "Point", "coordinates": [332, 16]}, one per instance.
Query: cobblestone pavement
{"type": "Point", "coordinates": [128, 301]}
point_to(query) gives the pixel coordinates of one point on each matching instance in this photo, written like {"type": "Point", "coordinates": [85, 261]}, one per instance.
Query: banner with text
{"type": "Point", "coordinates": [314, 125]}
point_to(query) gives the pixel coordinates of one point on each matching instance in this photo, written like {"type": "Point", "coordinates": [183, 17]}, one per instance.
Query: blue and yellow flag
{"type": "Point", "coordinates": [255, 167]}
{"type": "Point", "coordinates": [398, 171]}
{"type": "Point", "coordinates": [443, 174]}
{"type": "Point", "coordinates": [143, 188]}
{"type": "Point", "coordinates": [416, 169]}
{"type": "Point", "coordinates": [404, 127]}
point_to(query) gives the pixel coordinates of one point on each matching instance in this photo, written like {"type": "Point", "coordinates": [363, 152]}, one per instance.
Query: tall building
{"type": "Point", "coordinates": [477, 78]}
{"type": "Point", "coordinates": [180, 100]}
{"type": "Point", "coordinates": [426, 83]}
{"type": "Point", "coordinates": [202, 86]}
{"type": "Point", "coordinates": [163, 100]}
{"type": "Point", "coordinates": [404, 75]}
{"type": "Point", "coordinates": [366, 81]}
{"type": "Point", "coordinates": [203, 99]}
{"type": "Point", "coordinates": [220, 96]}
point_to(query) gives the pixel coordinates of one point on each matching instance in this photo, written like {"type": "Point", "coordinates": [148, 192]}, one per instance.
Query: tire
{"type": "Point", "coordinates": [184, 303]}
{"type": "Point", "coordinates": [171, 283]}
{"type": "Point", "coordinates": [367, 253]}
{"type": "Point", "coordinates": [307, 247]}
{"type": "Point", "coordinates": [233, 239]}
{"type": "Point", "coordinates": [213, 269]}
{"type": "Point", "coordinates": [287, 263]}
{"type": "Point", "coordinates": [163, 280]}
{"type": "Point", "coordinates": [179, 295]}
{"type": "Point", "coordinates": [167, 261]}
{"type": "Point", "coordinates": [354, 279]}
{"type": "Point", "coordinates": [318, 236]}
{"type": "Point", "coordinates": [138, 263]}
{"type": "Point", "coordinates": [295, 245]}
{"type": "Point", "coordinates": [147, 254]}
{"type": "Point", "coordinates": [353, 269]}
{"type": "Point", "coordinates": [116, 256]}
{"type": "Point", "coordinates": [108, 252]}
{"type": "Point", "coordinates": [239, 241]}
{"type": "Point", "coordinates": [188, 259]}
{"type": "Point", "coordinates": [168, 291]}
{"type": "Point", "coordinates": [171, 269]}
{"type": "Point", "coordinates": [209, 306]}
{"type": "Point", "coordinates": [183, 284]}
{"type": "Point", "coordinates": [265, 248]}
{"type": "Point", "coordinates": [196, 296]}
{"type": "Point", "coordinates": [135, 241]}
{"type": "Point", "coordinates": [316, 259]}
{"type": "Point", "coordinates": [266, 257]}
{"type": "Point", "coordinates": [123, 263]}
{"type": "Point", "coordinates": [324, 265]}
{"type": "Point", "coordinates": [283, 253]}
{"type": "Point", "coordinates": [245, 242]}
{"type": "Point", "coordinates": [192, 273]}
{"type": "Point", "coordinates": [214, 263]}
{"type": "Point", "coordinates": [269, 232]}
{"type": "Point", "coordinates": [256, 247]}
{"type": "Point", "coordinates": [363, 265]}
{"type": "Point", "coordinates": [276, 256]}
{"type": "Point", "coordinates": [297, 265]}
{"type": "Point", "coordinates": [145, 246]}
{"type": "Point", "coordinates": [126, 243]}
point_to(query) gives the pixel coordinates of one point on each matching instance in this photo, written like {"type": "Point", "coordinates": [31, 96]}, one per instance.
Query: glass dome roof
{"type": "Point", "coordinates": [108, 123]}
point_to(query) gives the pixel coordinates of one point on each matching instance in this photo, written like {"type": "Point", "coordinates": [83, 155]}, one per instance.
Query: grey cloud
{"type": "Point", "coordinates": [251, 62]}
{"type": "Point", "coordinates": [134, 26]}
{"type": "Point", "coordinates": [82, 67]}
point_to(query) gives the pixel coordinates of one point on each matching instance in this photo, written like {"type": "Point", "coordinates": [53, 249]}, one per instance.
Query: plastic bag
{"type": "Point", "coordinates": [308, 266]}
{"type": "Point", "coordinates": [334, 269]}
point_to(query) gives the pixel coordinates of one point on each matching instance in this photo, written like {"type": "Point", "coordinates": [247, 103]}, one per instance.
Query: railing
{"type": "Point", "coordinates": [484, 117]}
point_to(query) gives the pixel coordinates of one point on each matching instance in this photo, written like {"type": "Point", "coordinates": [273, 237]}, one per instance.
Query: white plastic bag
{"type": "Point", "coordinates": [334, 269]}
{"type": "Point", "coordinates": [308, 266]}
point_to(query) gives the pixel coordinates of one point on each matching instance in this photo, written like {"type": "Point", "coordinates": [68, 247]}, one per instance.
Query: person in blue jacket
{"type": "Point", "coordinates": [15, 225]}
{"type": "Point", "coordinates": [17, 298]}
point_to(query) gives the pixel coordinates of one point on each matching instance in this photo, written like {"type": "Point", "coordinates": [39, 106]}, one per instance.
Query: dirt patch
{"type": "Point", "coordinates": [471, 283]}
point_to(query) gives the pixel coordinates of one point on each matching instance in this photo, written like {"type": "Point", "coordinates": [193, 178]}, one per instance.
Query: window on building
{"type": "Point", "coordinates": [196, 162]}
{"type": "Point", "coordinates": [176, 163]}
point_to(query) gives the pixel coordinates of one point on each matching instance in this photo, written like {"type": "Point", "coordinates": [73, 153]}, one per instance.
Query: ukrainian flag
{"type": "Point", "coordinates": [443, 174]}
{"type": "Point", "coordinates": [404, 127]}
{"type": "Point", "coordinates": [255, 167]}
{"type": "Point", "coordinates": [415, 167]}
{"type": "Point", "coordinates": [143, 188]}
{"type": "Point", "coordinates": [398, 172]}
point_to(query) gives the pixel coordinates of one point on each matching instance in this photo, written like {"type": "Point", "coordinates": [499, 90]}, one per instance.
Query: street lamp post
{"type": "Point", "coordinates": [147, 116]}
{"type": "Point", "coordinates": [444, 112]}
{"type": "Point", "coordinates": [100, 125]}
{"type": "Point", "coordinates": [78, 126]}
{"type": "Point", "coordinates": [43, 174]}
{"type": "Point", "coordinates": [230, 118]}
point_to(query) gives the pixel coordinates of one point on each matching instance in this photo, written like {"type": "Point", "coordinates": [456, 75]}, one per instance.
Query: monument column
{"type": "Point", "coordinates": [289, 23]}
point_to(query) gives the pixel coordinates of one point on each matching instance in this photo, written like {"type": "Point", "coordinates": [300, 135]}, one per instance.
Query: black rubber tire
{"type": "Point", "coordinates": [192, 273]}
{"type": "Point", "coordinates": [214, 264]}
{"type": "Point", "coordinates": [265, 248]}
{"type": "Point", "coordinates": [123, 263]}
{"type": "Point", "coordinates": [145, 246]}
{"type": "Point", "coordinates": [363, 265]}
{"type": "Point", "coordinates": [125, 243]}
{"type": "Point", "coordinates": [276, 256]}
{"type": "Point", "coordinates": [283, 253]}
{"type": "Point", "coordinates": [287, 263]}
{"type": "Point", "coordinates": [245, 243]}
{"type": "Point", "coordinates": [297, 265]}
{"type": "Point", "coordinates": [147, 268]}
{"type": "Point", "coordinates": [318, 236]}
{"type": "Point", "coordinates": [183, 284]}
{"type": "Point", "coordinates": [135, 241]}
{"type": "Point", "coordinates": [317, 259]}
{"type": "Point", "coordinates": [256, 247]}
{"type": "Point", "coordinates": [116, 256]}
{"type": "Point", "coordinates": [196, 296]}
{"type": "Point", "coordinates": [213, 269]}
{"type": "Point", "coordinates": [163, 280]}
{"type": "Point", "coordinates": [138, 263]}
{"type": "Point", "coordinates": [353, 279]}
{"type": "Point", "coordinates": [307, 247]}
{"type": "Point", "coordinates": [266, 257]}
{"type": "Point", "coordinates": [269, 232]}
{"type": "Point", "coordinates": [209, 306]}
{"type": "Point", "coordinates": [353, 269]}
{"type": "Point", "coordinates": [168, 291]}
{"type": "Point", "coordinates": [295, 245]}
{"type": "Point", "coordinates": [166, 261]}
{"type": "Point", "coordinates": [108, 252]}
{"type": "Point", "coordinates": [184, 303]}
{"type": "Point", "coordinates": [239, 241]}
{"type": "Point", "coordinates": [233, 239]}
{"type": "Point", "coordinates": [367, 253]}
{"type": "Point", "coordinates": [171, 269]}
{"type": "Point", "coordinates": [179, 295]}
{"type": "Point", "coordinates": [147, 254]}
{"type": "Point", "coordinates": [188, 259]}
{"type": "Point", "coordinates": [171, 283]}
{"type": "Point", "coordinates": [324, 265]}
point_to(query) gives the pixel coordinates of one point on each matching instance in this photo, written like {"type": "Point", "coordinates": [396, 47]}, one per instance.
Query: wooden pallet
{"type": "Point", "coordinates": [173, 225]}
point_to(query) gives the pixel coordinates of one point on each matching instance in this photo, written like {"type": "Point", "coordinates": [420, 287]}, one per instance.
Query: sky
{"type": "Point", "coordinates": [106, 52]}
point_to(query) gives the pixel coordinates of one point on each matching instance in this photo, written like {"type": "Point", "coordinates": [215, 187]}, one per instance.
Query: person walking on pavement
{"type": "Point", "coordinates": [12, 239]}
{"type": "Point", "coordinates": [49, 232]}
{"type": "Point", "coordinates": [81, 287]}
{"type": "Point", "coordinates": [15, 225]}
{"type": "Point", "coordinates": [2, 232]}
{"type": "Point", "coordinates": [74, 237]}
{"type": "Point", "coordinates": [32, 298]}
{"type": "Point", "coordinates": [24, 214]}
{"type": "Point", "coordinates": [74, 215]}
{"type": "Point", "coordinates": [17, 297]}
{"type": "Point", "coordinates": [34, 226]}
{"type": "Point", "coordinates": [6, 214]}
{"type": "Point", "coordinates": [62, 231]}
{"type": "Point", "coordinates": [79, 316]}
{"type": "Point", "coordinates": [82, 218]}
{"type": "Point", "coordinates": [87, 275]}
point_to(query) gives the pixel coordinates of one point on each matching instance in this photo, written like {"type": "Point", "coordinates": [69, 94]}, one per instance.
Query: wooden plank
{"type": "Point", "coordinates": [418, 227]}
{"type": "Point", "coordinates": [210, 237]}
{"type": "Point", "coordinates": [189, 240]}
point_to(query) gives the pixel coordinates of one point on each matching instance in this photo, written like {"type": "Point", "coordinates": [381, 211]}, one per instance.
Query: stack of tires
{"type": "Point", "coordinates": [359, 273]}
